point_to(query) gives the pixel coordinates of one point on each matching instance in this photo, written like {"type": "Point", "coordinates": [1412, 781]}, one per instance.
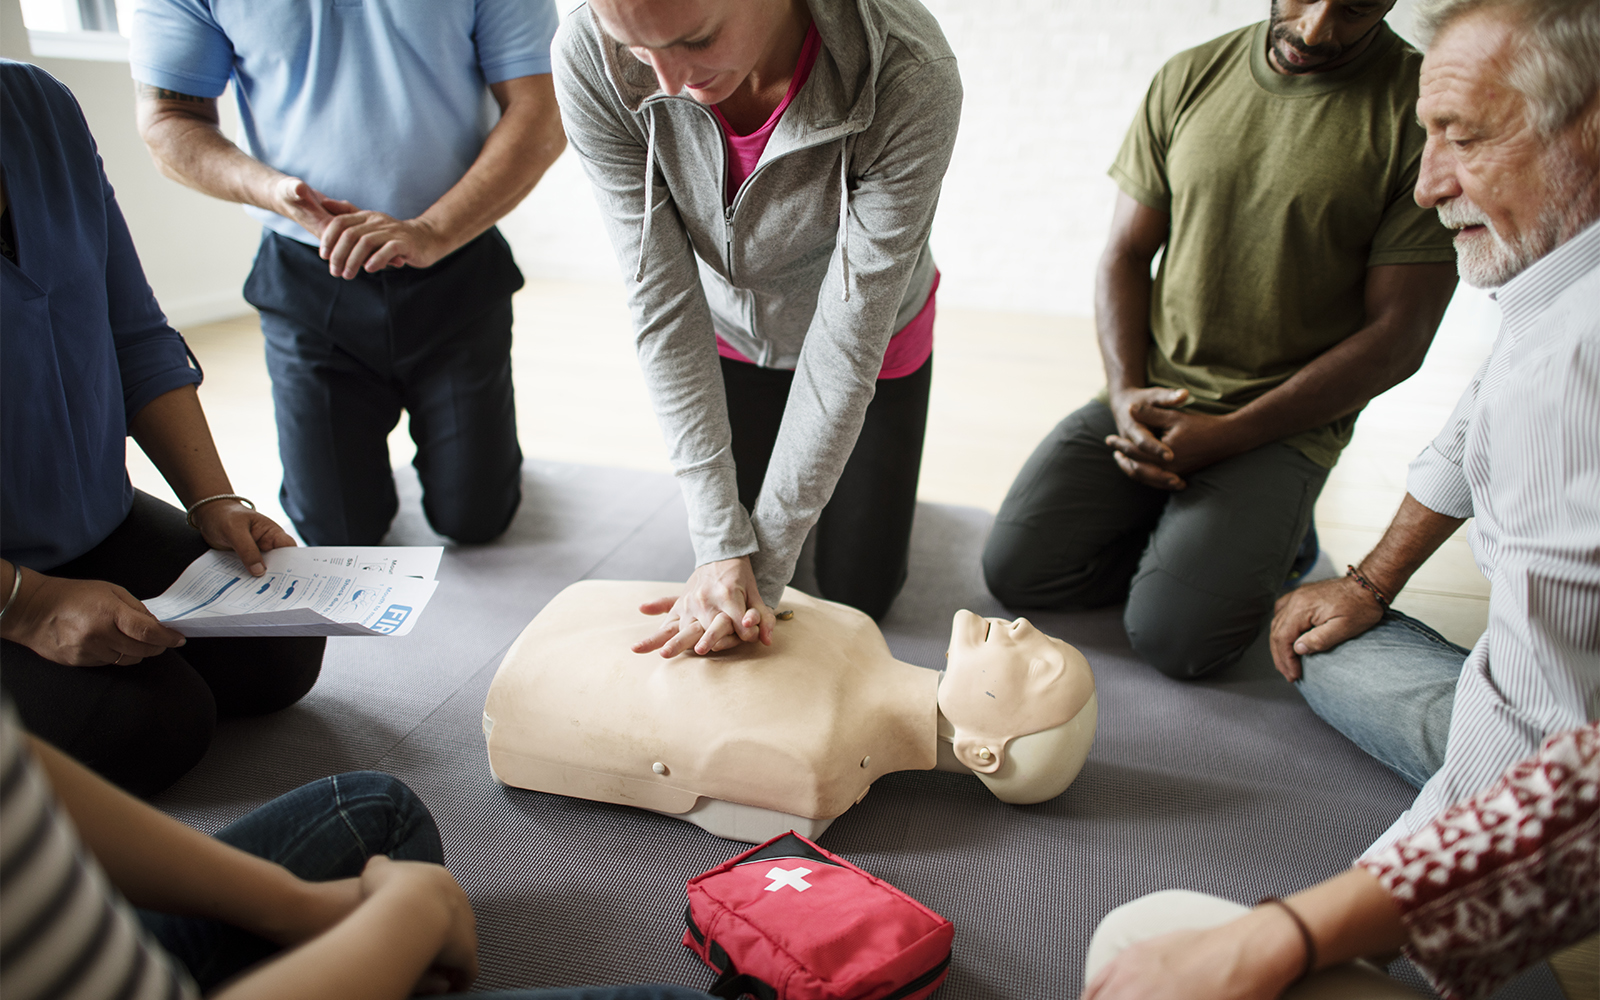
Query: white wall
{"type": "Point", "coordinates": [1050, 88]}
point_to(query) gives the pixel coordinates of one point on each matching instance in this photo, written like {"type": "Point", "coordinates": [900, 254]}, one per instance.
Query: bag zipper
{"type": "Point", "coordinates": [921, 982]}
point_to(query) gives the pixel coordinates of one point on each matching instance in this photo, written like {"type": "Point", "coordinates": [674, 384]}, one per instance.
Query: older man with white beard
{"type": "Point", "coordinates": [1511, 101]}
{"type": "Point", "coordinates": [1494, 866]}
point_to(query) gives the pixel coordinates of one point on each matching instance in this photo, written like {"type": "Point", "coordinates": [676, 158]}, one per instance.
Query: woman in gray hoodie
{"type": "Point", "coordinates": [768, 171]}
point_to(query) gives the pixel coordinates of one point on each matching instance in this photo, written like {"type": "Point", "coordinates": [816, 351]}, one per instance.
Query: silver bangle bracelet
{"type": "Point", "coordinates": [16, 587]}
{"type": "Point", "coordinates": [220, 496]}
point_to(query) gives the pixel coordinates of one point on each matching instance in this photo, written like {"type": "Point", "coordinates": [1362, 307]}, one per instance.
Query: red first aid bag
{"type": "Point", "coordinates": [790, 921]}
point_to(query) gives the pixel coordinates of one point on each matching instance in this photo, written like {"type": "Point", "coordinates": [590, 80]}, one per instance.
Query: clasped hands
{"type": "Point", "coordinates": [720, 608]}
{"type": "Point", "coordinates": [1157, 444]}
{"type": "Point", "coordinates": [434, 904]}
{"type": "Point", "coordinates": [355, 239]}
{"type": "Point", "coordinates": [93, 623]}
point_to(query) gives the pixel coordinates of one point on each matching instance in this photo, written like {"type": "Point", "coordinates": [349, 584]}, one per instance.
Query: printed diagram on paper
{"type": "Point", "coordinates": [327, 590]}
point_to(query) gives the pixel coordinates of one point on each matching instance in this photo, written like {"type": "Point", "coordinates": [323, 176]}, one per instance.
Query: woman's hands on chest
{"type": "Point", "coordinates": [720, 608]}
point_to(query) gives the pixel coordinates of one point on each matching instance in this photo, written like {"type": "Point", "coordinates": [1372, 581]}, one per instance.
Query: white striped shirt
{"type": "Point", "coordinates": [64, 932]}
{"type": "Point", "coordinates": [1521, 457]}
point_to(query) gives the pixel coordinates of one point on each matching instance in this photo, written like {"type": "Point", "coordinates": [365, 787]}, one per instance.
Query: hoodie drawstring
{"type": "Point", "coordinates": [649, 190]}
{"type": "Point", "coordinates": [844, 215]}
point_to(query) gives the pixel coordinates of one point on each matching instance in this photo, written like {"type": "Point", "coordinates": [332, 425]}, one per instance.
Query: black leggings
{"type": "Point", "coordinates": [144, 725]}
{"type": "Point", "coordinates": [863, 538]}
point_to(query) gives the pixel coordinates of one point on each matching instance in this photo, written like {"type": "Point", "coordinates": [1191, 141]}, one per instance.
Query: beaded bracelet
{"type": "Point", "coordinates": [1305, 935]}
{"type": "Point", "coordinates": [220, 496]}
{"type": "Point", "coordinates": [1367, 585]}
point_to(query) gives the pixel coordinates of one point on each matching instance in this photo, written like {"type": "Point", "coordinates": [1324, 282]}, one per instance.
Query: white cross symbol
{"type": "Point", "coordinates": [795, 878]}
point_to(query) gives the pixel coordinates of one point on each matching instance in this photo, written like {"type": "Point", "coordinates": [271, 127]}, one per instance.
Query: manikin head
{"type": "Point", "coordinates": [1309, 36]}
{"type": "Point", "coordinates": [1021, 704]}
{"type": "Point", "coordinates": [707, 47]}
{"type": "Point", "coordinates": [1511, 101]}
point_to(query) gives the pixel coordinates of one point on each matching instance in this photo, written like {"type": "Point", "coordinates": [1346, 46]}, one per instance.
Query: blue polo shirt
{"type": "Point", "coordinates": [382, 103]}
{"type": "Point", "coordinates": [83, 345]}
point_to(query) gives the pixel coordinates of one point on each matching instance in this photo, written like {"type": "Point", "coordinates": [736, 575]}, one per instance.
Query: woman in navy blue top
{"type": "Point", "coordinates": [87, 358]}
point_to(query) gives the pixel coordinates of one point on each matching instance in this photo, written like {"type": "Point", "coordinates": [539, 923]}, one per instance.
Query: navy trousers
{"type": "Point", "coordinates": [347, 356]}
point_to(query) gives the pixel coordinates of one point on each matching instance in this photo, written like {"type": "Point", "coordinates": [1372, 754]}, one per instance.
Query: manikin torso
{"type": "Point", "coordinates": [758, 740]}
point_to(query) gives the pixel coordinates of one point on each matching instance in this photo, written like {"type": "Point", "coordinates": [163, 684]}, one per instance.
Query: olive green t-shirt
{"type": "Point", "coordinates": [1282, 191]}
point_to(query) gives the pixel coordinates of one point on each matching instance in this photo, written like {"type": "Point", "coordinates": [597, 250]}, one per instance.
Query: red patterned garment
{"type": "Point", "coordinates": [1507, 877]}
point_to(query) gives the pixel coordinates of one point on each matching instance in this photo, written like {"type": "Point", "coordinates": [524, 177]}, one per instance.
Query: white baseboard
{"type": "Point", "coordinates": [192, 310]}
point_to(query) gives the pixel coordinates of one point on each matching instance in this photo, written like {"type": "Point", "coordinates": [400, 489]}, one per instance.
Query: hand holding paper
{"type": "Point", "coordinates": [327, 590]}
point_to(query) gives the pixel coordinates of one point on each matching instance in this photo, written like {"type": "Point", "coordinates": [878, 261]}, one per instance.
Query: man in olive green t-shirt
{"type": "Point", "coordinates": [1275, 165]}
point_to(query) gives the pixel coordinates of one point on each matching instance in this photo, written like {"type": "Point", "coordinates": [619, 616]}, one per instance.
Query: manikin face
{"type": "Point", "coordinates": [1312, 35]}
{"type": "Point", "coordinates": [1006, 679]}
{"type": "Point", "coordinates": [1512, 193]}
{"type": "Point", "coordinates": [707, 47]}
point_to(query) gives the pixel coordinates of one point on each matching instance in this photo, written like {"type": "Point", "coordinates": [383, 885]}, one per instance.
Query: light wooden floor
{"type": "Point", "coordinates": [1000, 382]}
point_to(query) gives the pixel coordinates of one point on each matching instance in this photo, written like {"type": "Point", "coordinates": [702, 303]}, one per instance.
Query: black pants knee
{"type": "Point", "coordinates": [863, 538]}
{"type": "Point", "coordinates": [346, 357]}
{"type": "Point", "coordinates": [1199, 569]}
{"type": "Point", "coordinates": [144, 725]}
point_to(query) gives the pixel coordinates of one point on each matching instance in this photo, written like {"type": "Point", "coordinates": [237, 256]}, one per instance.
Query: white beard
{"type": "Point", "coordinates": [1488, 259]}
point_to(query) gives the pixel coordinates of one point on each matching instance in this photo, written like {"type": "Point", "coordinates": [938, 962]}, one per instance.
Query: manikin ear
{"type": "Point", "coordinates": [1041, 765]}
{"type": "Point", "coordinates": [983, 756]}
{"type": "Point", "coordinates": [1044, 673]}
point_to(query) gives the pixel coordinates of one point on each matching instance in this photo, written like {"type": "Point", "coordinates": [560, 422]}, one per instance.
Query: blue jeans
{"type": "Point", "coordinates": [322, 831]}
{"type": "Point", "coordinates": [327, 830]}
{"type": "Point", "coordinates": [1390, 690]}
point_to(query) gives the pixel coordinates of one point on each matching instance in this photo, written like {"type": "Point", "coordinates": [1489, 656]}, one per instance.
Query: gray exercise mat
{"type": "Point", "coordinates": [1229, 786]}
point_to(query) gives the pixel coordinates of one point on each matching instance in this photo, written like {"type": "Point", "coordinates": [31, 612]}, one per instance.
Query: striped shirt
{"type": "Point", "coordinates": [64, 932]}
{"type": "Point", "coordinates": [1521, 457]}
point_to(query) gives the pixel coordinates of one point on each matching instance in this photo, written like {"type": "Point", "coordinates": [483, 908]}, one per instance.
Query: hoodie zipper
{"type": "Point", "coordinates": [729, 210]}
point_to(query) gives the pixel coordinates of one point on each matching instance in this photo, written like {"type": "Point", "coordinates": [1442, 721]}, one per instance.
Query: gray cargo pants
{"type": "Point", "coordinates": [1199, 568]}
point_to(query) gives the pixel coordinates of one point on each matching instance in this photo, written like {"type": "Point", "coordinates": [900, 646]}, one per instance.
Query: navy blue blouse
{"type": "Point", "coordinates": [83, 345]}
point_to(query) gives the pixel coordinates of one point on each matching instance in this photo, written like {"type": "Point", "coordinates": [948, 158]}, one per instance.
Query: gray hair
{"type": "Point", "coordinates": [1556, 65]}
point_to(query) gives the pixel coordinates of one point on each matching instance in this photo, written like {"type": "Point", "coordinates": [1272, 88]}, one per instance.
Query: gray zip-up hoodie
{"type": "Point", "coordinates": [821, 257]}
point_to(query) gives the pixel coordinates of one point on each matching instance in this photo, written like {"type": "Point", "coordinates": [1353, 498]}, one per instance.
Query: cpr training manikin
{"type": "Point", "coordinates": [758, 740]}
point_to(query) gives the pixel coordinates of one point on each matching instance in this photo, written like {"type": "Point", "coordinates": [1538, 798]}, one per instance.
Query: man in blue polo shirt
{"type": "Point", "coordinates": [378, 167]}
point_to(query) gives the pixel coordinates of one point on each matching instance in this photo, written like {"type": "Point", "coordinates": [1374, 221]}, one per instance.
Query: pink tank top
{"type": "Point", "coordinates": [910, 347]}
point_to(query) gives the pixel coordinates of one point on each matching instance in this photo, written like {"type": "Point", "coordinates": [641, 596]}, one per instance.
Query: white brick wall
{"type": "Point", "coordinates": [1050, 88]}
